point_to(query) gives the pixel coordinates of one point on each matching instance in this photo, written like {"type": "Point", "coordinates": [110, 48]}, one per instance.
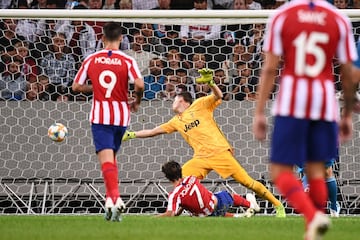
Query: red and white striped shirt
{"type": "Point", "coordinates": [309, 35]}
{"type": "Point", "coordinates": [191, 195]}
{"type": "Point", "coordinates": [110, 73]}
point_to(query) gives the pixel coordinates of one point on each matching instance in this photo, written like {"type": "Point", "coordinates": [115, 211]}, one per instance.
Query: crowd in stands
{"type": "Point", "coordinates": [39, 58]}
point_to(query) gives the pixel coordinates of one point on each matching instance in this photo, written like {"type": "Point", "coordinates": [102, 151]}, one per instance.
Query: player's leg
{"type": "Point", "coordinates": [315, 172]}
{"type": "Point", "coordinates": [319, 224]}
{"type": "Point", "coordinates": [110, 173]}
{"type": "Point", "coordinates": [119, 205]}
{"type": "Point", "coordinates": [110, 176]}
{"type": "Point", "coordinates": [244, 179]}
{"type": "Point", "coordinates": [226, 165]}
{"type": "Point", "coordinates": [287, 151]}
{"type": "Point", "coordinates": [331, 187]}
{"type": "Point", "coordinates": [239, 201]}
{"type": "Point", "coordinates": [304, 181]}
{"type": "Point", "coordinates": [249, 203]}
{"type": "Point", "coordinates": [322, 145]}
{"type": "Point", "coordinates": [106, 145]}
{"type": "Point", "coordinates": [332, 190]}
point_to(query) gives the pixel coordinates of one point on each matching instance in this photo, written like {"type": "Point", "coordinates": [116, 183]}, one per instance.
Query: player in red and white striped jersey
{"type": "Point", "coordinates": [190, 195]}
{"type": "Point", "coordinates": [110, 72]}
{"type": "Point", "coordinates": [307, 35]}
{"type": "Point", "coordinates": [308, 52]}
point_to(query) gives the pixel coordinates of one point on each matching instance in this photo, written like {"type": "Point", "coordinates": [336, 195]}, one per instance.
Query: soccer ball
{"type": "Point", "coordinates": [57, 132]}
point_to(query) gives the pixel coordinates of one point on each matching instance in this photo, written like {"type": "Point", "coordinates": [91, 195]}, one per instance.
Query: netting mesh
{"type": "Point", "coordinates": [40, 176]}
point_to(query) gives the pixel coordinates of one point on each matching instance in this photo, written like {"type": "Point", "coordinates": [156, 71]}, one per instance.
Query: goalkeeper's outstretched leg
{"type": "Point", "coordinates": [261, 191]}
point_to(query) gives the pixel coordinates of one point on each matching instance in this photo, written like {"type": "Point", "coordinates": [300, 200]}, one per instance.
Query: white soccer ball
{"type": "Point", "coordinates": [57, 132]}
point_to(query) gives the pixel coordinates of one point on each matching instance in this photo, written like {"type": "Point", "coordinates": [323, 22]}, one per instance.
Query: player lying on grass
{"type": "Point", "coordinates": [212, 151]}
{"type": "Point", "coordinates": [190, 195]}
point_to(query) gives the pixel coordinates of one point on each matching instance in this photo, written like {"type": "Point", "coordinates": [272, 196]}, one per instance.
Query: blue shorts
{"type": "Point", "coordinates": [225, 201]}
{"type": "Point", "coordinates": [357, 62]}
{"type": "Point", "coordinates": [295, 141]}
{"type": "Point", "coordinates": [107, 136]}
{"type": "Point", "coordinates": [329, 163]}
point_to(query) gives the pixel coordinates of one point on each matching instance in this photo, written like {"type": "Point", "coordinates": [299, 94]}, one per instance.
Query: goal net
{"type": "Point", "coordinates": [41, 51]}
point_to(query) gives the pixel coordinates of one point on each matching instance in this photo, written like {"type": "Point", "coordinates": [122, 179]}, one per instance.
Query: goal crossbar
{"type": "Point", "coordinates": [159, 16]}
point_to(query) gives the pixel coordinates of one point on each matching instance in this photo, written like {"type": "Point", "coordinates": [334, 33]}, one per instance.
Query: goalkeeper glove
{"type": "Point", "coordinates": [128, 135]}
{"type": "Point", "coordinates": [206, 77]}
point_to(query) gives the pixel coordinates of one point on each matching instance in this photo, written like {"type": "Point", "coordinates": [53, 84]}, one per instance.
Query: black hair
{"type": "Point", "coordinates": [172, 171]}
{"type": "Point", "coordinates": [180, 70]}
{"type": "Point", "coordinates": [219, 70]}
{"type": "Point", "coordinates": [79, 7]}
{"type": "Point", "coordinates": [112, 31]}
{"type": "Point", "coordinates": [22, 3]}
{"type": "Point", "coordinates": [180, 88]}
{"type": "Point", "coordinates": [50, 2]}
{"type": "Point", "coordinates": [186, 96]}
{"type": "Point", "coordinates": [239, 63]}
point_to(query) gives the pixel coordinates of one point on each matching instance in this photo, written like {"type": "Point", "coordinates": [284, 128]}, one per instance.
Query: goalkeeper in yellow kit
{"type": "Point", "coordinates": [195, 122]}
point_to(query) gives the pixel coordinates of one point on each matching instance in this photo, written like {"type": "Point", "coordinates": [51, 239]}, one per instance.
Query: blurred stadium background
{"type": "Point", "coordinates": [44, 177]}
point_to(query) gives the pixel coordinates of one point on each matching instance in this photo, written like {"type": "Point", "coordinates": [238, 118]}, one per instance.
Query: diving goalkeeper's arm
{"type": "Point", "coordinates": [143, 133]}
{"type": "Point", "coordinates": [207, 77]}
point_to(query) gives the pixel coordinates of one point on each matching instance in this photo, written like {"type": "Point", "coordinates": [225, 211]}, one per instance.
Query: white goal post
{"type": "Point", "coordinates": [159, 16]}
{"type": "Point", "coordinates": [38, 176]}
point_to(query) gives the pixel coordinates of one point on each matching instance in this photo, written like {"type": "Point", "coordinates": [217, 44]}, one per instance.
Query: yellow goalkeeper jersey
{"type": "Point", "coordinates": [199, 129]}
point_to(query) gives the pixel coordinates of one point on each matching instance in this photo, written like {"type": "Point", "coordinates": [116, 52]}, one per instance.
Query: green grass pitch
{"type": "Point", "coordinates": [138, 227]}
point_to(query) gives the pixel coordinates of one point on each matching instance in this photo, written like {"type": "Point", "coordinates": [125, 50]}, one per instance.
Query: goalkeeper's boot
{"type": "Point", "coordinates": [317, 227]}
{"type": "Point", "coordinates": [109, 205]}
{"type": "Point", "coordinates": [117, 210]}
{"type": "Point", "coordinates": [254, 206]}
{"type": "Point", "coordinates": [280, 211]}
{"type": "Point", "coordinates": [335, 213]}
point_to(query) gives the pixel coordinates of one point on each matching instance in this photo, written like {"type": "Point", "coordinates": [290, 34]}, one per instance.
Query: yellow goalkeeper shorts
{"type": "Point", "coordinates": [223, 163]}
